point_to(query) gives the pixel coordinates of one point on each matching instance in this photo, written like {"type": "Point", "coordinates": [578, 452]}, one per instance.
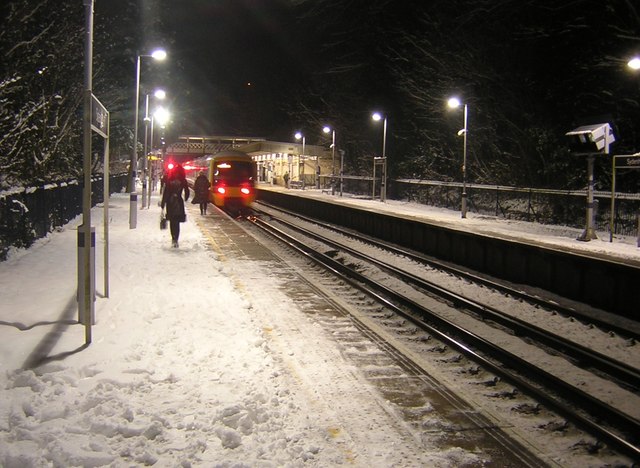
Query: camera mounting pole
{"type": "Point", "coordinates": [590, 140]}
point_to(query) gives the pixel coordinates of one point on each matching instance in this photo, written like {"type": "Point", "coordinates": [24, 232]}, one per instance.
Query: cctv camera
{"type": "Point", "coordinates": [590, 139]}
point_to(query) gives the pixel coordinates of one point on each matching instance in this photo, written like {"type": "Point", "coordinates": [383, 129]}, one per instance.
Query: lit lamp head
{"type": "Point", "coordinates": [159, 54]}
{"type": "Point", "coordinates": [453, 102]}
{"type": "Point", "coordinates": [634, 63]}
{"type": "Point", "coordinates": [161, 115]}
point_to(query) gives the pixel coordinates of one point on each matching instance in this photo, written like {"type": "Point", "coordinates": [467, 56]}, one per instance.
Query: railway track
{"type": "Point", "coordinates": [435, 310]}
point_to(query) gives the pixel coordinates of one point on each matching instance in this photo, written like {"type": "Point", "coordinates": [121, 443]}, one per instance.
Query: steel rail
{"type": "Point", "coordinates": [620, 371]}
{"type": "Point", "coordinates": [623, 423]}
{"type": "Point", "coordinates": [498, 286]}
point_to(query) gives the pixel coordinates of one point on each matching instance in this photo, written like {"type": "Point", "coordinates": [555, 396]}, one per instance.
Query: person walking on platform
{"type": "Point", "coordinates": [176, 184]}
{"type": "Point", "coordinates": [201, 189]}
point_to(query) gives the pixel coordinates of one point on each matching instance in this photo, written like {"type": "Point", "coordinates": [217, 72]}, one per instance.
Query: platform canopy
{"type": "Point", "coordinates": [192, 146]}
{"type": "Point", "coordinates": [189, 147]}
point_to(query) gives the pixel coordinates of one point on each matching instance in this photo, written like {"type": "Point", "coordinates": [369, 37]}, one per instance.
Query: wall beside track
{"type": "Point", "coordinates": [598, 281]}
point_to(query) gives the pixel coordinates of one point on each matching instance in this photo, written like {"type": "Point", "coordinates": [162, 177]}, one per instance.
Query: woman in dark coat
{"type": "Point", "coordinates": [172, 199]}
{"type": "Point", "coordinates": [201, 189]}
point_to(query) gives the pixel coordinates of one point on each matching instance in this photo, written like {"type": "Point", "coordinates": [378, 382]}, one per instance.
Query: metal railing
{"type": "Point", "coordinates": [543, 206]}
{"type": "Point", "coordinates": [30, 213]}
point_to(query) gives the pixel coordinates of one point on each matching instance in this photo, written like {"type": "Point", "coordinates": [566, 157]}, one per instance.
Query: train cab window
{"type": "Point", "coordinates": [233, 172]}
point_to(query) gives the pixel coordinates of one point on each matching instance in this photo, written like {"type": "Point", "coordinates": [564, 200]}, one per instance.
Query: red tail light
{"type": "Point", "coordinates": [221, 190]}
{"type": "Point", "coordinates": [245, 190]}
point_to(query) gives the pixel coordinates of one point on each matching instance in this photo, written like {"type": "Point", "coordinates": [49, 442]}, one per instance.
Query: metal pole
{"type": "Point", "coordinates": [303, 162]}
{"type": "Point", "coordinates": [105, 212]}
{"type": "Point", "coordinates": [133, 197]}
{"type": "Point", "coordinates": [383, 187]}
{"type": "Point", "coordinates": [151, 151]}
{"type": "Point", "coordinates": [613, 198]}
{"type": "Point", "coordinates": [341, 172]}
{"type": "Point", "coordinates": [333, 162]}
{"type": "Point", "coordinates": [86, 306]}
{"type": "Point", "coordinates": [589, 231]}
{"type": "Point", "coordinates": [373, 180]}
{"type": "Point", "coordinates": [145, 169]}
{"type": "Point", "coordinates": [464, 165]}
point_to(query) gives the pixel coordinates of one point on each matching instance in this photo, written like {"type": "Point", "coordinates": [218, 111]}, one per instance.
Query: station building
{"type": "Point", "coordinates": [277, 162]}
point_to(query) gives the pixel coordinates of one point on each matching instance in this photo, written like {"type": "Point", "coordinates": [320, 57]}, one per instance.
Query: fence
{"type": "Point", "coordinates": [543, 206]}
{"type": "Point", "coordinates": [31, 213]}
{"type": "Point", "coordinates": [557, 207]}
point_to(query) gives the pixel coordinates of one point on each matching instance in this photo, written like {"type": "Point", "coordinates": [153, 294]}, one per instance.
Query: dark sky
{"type": "Point", "coordinates": [232, 60]}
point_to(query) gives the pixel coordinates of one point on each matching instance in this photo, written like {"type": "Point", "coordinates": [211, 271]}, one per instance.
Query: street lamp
{"type": "Point", "coordinates": [146, 196]}
{"type": "Point", "coordinates": [299, 136]}
{"type": "Point", "coordinates": [453, 103]}
{"type": "Point", "coordinates": [158, 54]}
{"type": "Point", "coordinates": [162, 115]}
{"type": "Point", "coordinates": [383, 186]}
{"type": "Point", "coordinates": [328, 129]}
{"type": "Point", "coordinates": [634, 63]}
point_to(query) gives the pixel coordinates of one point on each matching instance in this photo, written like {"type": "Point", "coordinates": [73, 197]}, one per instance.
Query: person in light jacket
{"type": "Point", "coordinates": [172, 195]}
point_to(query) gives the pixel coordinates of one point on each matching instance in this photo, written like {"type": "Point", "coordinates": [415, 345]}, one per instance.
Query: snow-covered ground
{"type": "Point", "coordinates": [191, 363]}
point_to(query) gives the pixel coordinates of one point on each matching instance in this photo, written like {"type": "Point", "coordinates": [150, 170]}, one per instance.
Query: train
{"type": "Point", "coordinates": [233, 176]}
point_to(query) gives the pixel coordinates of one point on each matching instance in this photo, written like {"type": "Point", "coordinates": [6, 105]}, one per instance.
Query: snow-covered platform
{"type": "Point", "coordinates": [197, 359]}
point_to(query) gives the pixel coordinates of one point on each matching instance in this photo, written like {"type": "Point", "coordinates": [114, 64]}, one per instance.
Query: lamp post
{"type": "Point", "coordinates": [158, 54]}
{"type": "Point", "coordinates": [146, 196]}
{"type": "Point", "coordinates": [300, 136]}
{"type": "Point", "coordinates": [383, 186]}
{"type": "Point", "coordinates": [328, 129]}
{"type": "Point", "coordinates": [634, 64]}
{"type": "Point", "coordinates": [454, 103]}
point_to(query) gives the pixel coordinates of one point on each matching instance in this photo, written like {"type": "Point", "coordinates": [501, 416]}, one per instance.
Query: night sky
{"type": "Point", "coordinates": [530, 70]}
{"type": "Point", "coordinates": [230, 63]}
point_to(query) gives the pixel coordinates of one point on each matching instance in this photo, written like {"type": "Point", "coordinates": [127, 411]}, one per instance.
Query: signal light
{"type": "Point", "coordinates": [170, 166]}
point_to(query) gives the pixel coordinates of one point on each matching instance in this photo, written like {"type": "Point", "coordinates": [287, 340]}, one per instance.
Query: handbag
{"type": "Point", "coordinates": [163, 220]}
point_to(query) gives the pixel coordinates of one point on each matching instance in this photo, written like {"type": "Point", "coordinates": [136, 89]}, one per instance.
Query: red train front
{"type": "Point", "coordinates": [232, 175]}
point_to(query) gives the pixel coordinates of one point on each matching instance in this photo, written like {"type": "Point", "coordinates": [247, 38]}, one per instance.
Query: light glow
{"type": "Point", "coordinates": [221, 190]}
{"type": "Point", "coordinates": [376, 116]}
{"type": "Point", "coordinates": [453, 102]}
{"type": "Point", "coordinates": [224, 165]}
{"type": "Point", "coordinates": [161, 115]}
{"type": "Point", "coordinates": [245, 190]}
{"type": "Point", "coordinates": [634, 63]}
{"type": "Point", "coordinates": [159, 54]}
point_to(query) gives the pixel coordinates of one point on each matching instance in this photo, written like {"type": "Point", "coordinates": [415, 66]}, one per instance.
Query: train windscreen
{"type": "Point", "coordinates": [233, 172]}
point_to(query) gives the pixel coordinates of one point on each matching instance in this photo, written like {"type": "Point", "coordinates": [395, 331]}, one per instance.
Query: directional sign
{"type": "Point", "coordinates": [629, 161]}
{"type": "Point", "coordinates": [99, 117]}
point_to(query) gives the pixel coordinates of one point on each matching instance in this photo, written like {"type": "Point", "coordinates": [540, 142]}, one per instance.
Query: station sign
{"type": "Point", "coordinates": [627, 161]}
{"type": "Point", "coordinates": [99, 118]}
